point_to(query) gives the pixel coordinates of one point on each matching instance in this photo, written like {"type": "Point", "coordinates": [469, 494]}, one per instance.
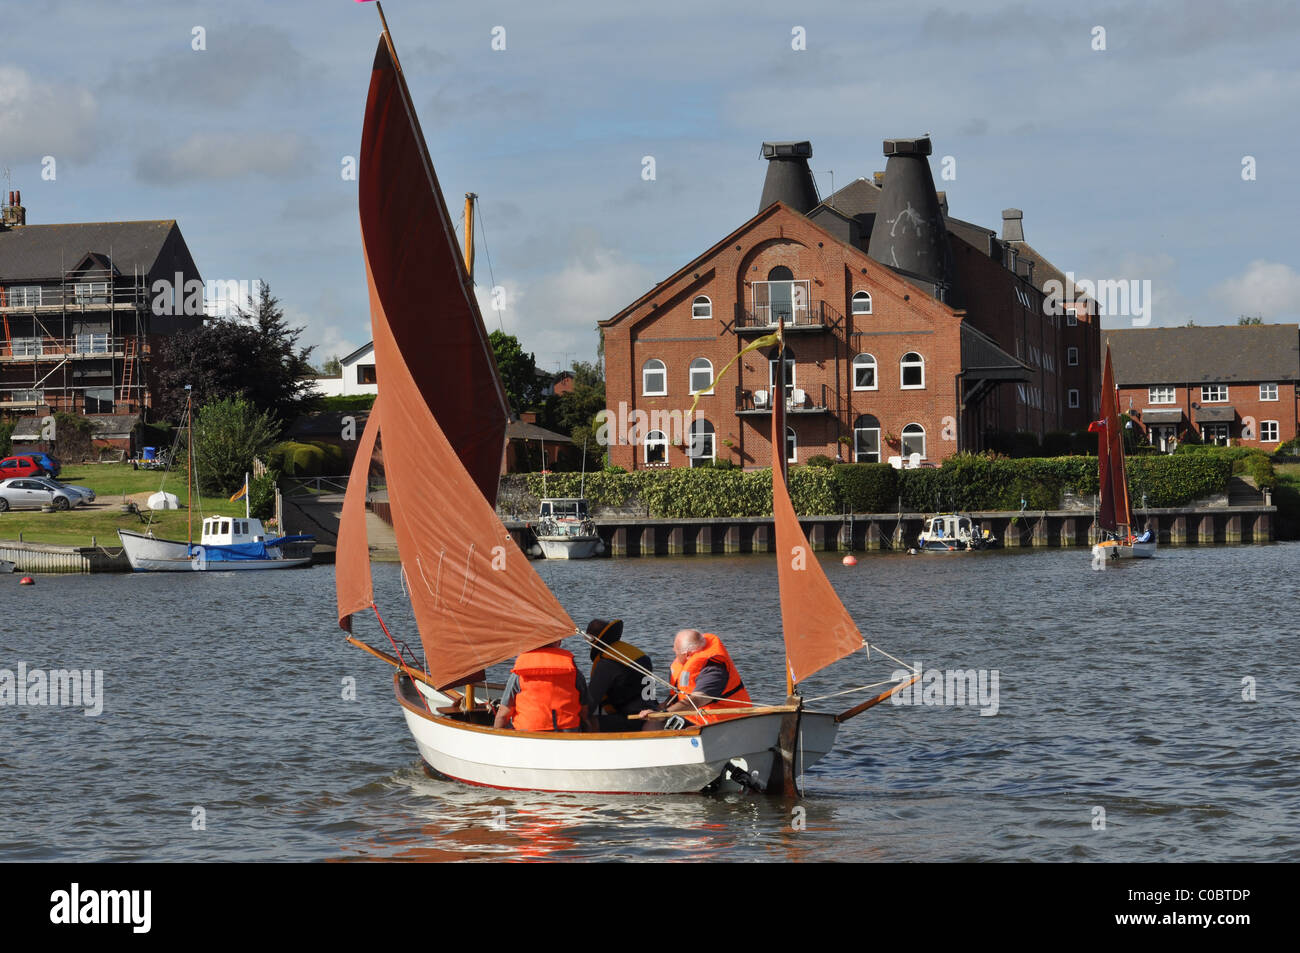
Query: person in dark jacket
{"type": "Point", "coordinates": [616, 688]}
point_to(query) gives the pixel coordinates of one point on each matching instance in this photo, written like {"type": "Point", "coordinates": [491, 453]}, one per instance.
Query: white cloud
{"type": "Point", "coordinates": [39, 119]}
{"type": "Point", "coordinates": [206, 156]}
{"type": "Point", "coordinates": [554, 315]}
{"type": "Point", "coordinates": [1266, 288]}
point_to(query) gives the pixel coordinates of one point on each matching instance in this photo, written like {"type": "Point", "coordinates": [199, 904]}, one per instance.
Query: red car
{"type": "Point", "coordinates": [20, 467]}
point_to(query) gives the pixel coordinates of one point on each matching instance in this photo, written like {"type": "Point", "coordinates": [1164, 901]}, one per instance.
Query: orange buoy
{"type": "Point", "coordinates": [27, 581]}
{"type": "Point", "coordinates": [850, 560]}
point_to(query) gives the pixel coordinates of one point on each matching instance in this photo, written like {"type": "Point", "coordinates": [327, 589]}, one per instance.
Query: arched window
{"type": "Point", "coordinates": [864, 373]}
{"type": "Point", "coordinates": [702, 307]}
{"type": "Point", "coordinates": [654, 379]}
{"type": "Point", "coordinates": [791, 446]}
{"type": "Point", "coordinates": [914, 440]}
{"type": "Point", "coordinates": [781, 289]}
{"type": "Point", "coordinates": [701, 377]}
{"type": "Point", "coordinates": [912, 371]}
{"type": "Point", "coordinates": [861, 302]}
{"type": "Point", "coordinates": [866, 439]}
{"type": "Point", "coordinates": [773, 369]}
{"type": "Point", "coordinates": [700, 445]}
{"type": "Point", "coordinates": [656, 448]}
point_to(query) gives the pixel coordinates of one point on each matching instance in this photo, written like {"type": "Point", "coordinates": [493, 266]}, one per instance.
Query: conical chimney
{"type": "Point", "coordinates": [789, 179]}
{"type": "Point", "coordinates": [909, 232]}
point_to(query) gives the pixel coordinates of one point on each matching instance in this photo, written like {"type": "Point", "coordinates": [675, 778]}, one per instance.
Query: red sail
{"type": "Point", "coordinates": [417, 266]}
{"type": "Point", "coordinates": [1112, 497]}
{"type": "Point", "coordinates": [352, 581]}
{"type": "Point", "coordinates": [476, 599]}
{"type": "Point", "coordinates": [818, 629]}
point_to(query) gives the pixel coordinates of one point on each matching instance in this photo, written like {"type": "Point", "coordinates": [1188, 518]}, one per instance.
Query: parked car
{"type": "Point", "coordinates": [22, 492]}
{"type": "Point", "coordinates": [24, 466]}
{"type": "Point", "coordinates": [52, 466]}
{"type": "Point", "coordinates": [86, 493]}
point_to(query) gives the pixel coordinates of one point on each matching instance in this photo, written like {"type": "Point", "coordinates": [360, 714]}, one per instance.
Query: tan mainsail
{"type": "Point", "coordinates": [818, 629]}
{"type": "Point", "coordinates": [476, 599]}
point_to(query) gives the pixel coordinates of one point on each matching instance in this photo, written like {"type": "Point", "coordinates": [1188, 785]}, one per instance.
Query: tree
{"type": "Point", "coordinates": [333, 367]}
{"type": "Point", "coordinates": [254, 355]}
{"type": "Point", "coordinates": [1247, 319]}
{"type": "Point", "coordinates": [574, 413]}
{"type": "Point", "coordinates": [518, 371]}
{"type": "Point", "coordinates": [228, 434]}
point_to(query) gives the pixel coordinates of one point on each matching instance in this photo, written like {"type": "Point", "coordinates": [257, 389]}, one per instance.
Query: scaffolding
{"type": "Point", "coordinates": [78, 345]}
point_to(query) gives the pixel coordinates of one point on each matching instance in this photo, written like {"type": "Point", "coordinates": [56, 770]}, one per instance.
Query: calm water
{"type": "Point", "coordinates": [1119, 690]}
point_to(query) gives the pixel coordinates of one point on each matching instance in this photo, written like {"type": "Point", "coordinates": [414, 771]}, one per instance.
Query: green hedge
{"type": "Point", "coordinates": [1246, 461]}
{"type": "Point", "coordinates": [964, 482]}
{"type": "Point", "coordinates": [307, 459]}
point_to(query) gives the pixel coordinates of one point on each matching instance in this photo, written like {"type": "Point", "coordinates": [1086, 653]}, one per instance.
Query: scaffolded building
{"type": "Point", "coordinates": [83, 308]}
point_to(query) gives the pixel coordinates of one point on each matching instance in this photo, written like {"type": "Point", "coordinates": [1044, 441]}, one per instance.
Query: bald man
{"type": "Point", "coordinates": [705, 681]}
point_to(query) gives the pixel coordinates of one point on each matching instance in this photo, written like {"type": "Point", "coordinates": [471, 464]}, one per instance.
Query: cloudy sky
{"type": "Point", "coordinates": [1127, 161]}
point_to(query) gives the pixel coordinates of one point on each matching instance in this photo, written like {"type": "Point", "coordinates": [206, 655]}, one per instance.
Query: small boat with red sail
{"type": "Point", "coordinates": [1114, 511]}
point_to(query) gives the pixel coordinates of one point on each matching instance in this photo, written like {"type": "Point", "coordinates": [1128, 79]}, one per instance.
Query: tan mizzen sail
{"type": "Point", "coordinates": [818, 629]}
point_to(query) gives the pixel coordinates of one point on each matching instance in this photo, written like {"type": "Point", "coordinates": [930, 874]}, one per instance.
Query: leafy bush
{"type": "Point", "coordinates": [261, 495]}
{"type": "Point", "coordinates": [1246, 461]}
{"type": "Point", "coordinates": [866, 487]}
{"type": "Point", "coordinates": [6, 436]}
{"type": "Point", "coordinates": [228, 434]}
{"type": "Point", "coordinates": [820, 460]}
{"type": "Point", "coordinates": [1173, 480]}
{"type": "Point", "coordinates": [346, 403]}
{"type": "Point", "coordinates": [297, 459]}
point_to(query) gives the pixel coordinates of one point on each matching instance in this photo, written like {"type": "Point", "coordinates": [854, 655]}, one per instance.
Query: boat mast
{"type": "Point", "coordinates": [778, 449]}
{"type": "Point", "coordinates": [189, 464]}
{"type": "Point", "coordinates": [469, 234]}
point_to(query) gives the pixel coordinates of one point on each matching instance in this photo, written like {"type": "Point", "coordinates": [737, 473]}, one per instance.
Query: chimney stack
{"type": "Point", "coordinates": [13, 214]}
{"type": "Point", "coordinates": [1013, 227]}
{"type": "Point", "coordinates": [789, 179]}
{"type": "Point", "coordinates": [909, 232]}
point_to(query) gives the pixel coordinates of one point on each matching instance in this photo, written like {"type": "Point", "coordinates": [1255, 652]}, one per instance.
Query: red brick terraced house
{"type": "Point", "coordinates": [1229, 385]}
{"type": "Point", "coordinates": [908, 334]}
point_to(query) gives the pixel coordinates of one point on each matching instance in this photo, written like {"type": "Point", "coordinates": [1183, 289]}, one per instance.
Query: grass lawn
{"type": "Point", "coordinates": [102, 519]}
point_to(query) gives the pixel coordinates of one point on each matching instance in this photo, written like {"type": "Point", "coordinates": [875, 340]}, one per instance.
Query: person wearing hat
{"type": "Point", "coordinates": [617, 689]}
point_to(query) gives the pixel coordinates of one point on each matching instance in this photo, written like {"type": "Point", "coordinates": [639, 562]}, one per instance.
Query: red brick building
{"type": "Point", "coordinates": [908, 333]}
{"type": "Point", "coordinates": [1230, 385]}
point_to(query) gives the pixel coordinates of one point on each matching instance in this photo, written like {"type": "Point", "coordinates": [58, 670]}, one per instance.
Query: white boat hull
{"type": "Point", "coordinates": [657, 762]}
{"type": "Point", "coordinates": [149, 554]}
{"type": "Point", "coordinates": [570, 547]}
{"type": "Point", "coordinates": [1137, 550]}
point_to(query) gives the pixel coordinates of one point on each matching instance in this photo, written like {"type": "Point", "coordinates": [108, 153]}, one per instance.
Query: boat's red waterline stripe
{"type": "Point", "coordinates": [502, 787]}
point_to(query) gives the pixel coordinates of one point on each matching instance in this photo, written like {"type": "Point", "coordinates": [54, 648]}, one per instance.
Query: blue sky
{"type": "Point", "coordinates": [1126, 161]}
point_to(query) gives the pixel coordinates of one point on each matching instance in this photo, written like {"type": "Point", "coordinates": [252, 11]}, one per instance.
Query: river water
{"type": "Point", "coordinates": [1122, 732]}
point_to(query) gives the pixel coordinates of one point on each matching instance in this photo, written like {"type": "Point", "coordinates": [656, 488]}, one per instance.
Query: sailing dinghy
{"type": "Point", "coordinates": [1114, 513]}
{"type": "Point", "coordinates": [440, 421]}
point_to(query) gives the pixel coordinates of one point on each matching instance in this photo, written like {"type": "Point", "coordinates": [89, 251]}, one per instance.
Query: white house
{"type": "Point", "coordinates": [357, 376]}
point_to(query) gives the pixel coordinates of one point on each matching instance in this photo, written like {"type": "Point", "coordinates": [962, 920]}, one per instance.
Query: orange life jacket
{"type": "Point", "coordinates": [548, 698]}
{"type": "Point", "coordinates": [685, 675]}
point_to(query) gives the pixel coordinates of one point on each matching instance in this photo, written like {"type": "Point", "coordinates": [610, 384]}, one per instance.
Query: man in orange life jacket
{"type": "Point", "coordinates": [704, 678]}
{"type": "Point", "coordinates": [545, 692]}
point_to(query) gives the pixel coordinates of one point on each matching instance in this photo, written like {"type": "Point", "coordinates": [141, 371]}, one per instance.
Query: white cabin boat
{"type": "Point", "coordinates": [565, 530]}
{"type": "Point", "coordinates": [954, 532]}
{"type": "Point", "coordinates": [228, 543]}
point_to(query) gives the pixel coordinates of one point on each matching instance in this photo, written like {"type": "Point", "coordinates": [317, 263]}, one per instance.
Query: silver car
{"type": "Point", "coordinates": [35, 492]}
{"type": "Point", "coordinates": [86, 493]}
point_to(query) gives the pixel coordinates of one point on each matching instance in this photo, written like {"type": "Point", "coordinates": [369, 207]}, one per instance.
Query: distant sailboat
{"type": "Point", "coordinates": [1114, 512]}
{"type": "Point", "coordinates": [441, 418]}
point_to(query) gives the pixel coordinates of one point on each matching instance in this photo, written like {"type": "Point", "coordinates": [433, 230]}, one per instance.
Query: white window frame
{"type": "Point", "coordinates": [30, 296]}
{"type": "Point", "coordinates": [1162, 394]}
{"type": "Point", "coordinates": [1266, 425]}
{"type": "Point", "coordinates": [646, 371]}
{"type": "Point", "coordinates": [1210, 433]}
{"type": "Point", "coordinates": [656, 439]}
{"type": "Point", "coordinates": [1208, 389]}
{"type": "Point", "coordinates": [35, 396]}
{"type": "Point", "coordinates": [1072, 397]}
{"type": "Point", "coordinates": [709, 437]}
{"type": "Point", "coordinates": [1263, 394]}
{"type": "Point", "coordinates": [904, 364]}
{"type": "Point", "coordinates": [791, 368]}
{"type": "Point", "coordinates": [696, 306]}
{"type": "Point", "coordinates": [27, 346]}
{"type": "Point", "coordinates": [1072, 356]}
{"type": "Point", "coordinates": [92, 342]}
{"type": "Point", "coordinates": [903, 441]}
{"type": "Point", "coordinates": [693, 370]}
{"type": "Point", "coordinates": [84, 292]}
{"type": "Point", "coordinates": [860, 296]}
{"type": "Point", "coordinates": [860, 456]}
{"type": "Point", "coordinates": [875, 371]}
{"type": "Point", "coordinates": [791, 446]}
